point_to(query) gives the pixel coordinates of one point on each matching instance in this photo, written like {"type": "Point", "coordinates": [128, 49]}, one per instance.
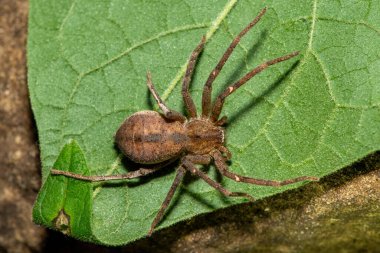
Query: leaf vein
{"type": "Point", "coordinates": [325, 74]}
{"type": "Point", "coordinates": [312, 29]}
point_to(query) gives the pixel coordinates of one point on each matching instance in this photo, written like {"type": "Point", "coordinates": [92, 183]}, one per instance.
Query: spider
{"type": "Point", "coordinates": [148, 137]}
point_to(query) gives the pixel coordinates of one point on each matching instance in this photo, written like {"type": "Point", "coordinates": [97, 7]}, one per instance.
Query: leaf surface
{"type": "Point", "coordinates": [63, 203]}
{"type": "Point", "coordinates": [311, 115]}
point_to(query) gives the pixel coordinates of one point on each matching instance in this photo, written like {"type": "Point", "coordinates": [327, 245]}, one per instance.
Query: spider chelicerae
{"type": "Point", "coordinates": [151, 138]}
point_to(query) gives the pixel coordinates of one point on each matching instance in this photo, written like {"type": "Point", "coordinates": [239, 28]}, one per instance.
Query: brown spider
{"type": "Point", "coordinates": [148, 137]}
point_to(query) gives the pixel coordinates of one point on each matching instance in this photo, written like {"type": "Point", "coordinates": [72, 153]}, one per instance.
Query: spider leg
{"type": "Point", "coordinates": [225, 151]}
{"type": "Point", "coordinates": [189, 103]}
{"type": "Point", "coordinates": [222, 121]}
{"type": "Point", "coordinates": [223, 168]}
{"type": "Point", "coordinates": [189, 165]}
{"type": "Point", "coordinates": [168, 113]}
{"type": "Point", "coordinates": [177, 180]}
{"type": "Point", "coordinates": [217, 108]}
{"type": "Point", "coordinates": [206, 96]}
{"type": "Point", "coordinates": [132, 174]}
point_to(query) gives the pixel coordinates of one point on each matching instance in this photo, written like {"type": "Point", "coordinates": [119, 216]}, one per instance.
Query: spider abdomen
{"type": "Point", "coordinates": [146, 137]}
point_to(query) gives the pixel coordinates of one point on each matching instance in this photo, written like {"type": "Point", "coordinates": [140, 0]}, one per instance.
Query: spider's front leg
{"type": "Point", "coordinates": [223, 168]}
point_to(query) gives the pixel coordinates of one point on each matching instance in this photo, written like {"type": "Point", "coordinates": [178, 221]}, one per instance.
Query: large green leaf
{"type": "Point", "coordinates": [311, 115]}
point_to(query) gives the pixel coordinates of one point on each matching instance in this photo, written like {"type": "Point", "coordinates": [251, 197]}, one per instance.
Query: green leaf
{"type": "Point", "coordinates": [63, 203]}
{"type": "Point", "coordinates": [307, 116]}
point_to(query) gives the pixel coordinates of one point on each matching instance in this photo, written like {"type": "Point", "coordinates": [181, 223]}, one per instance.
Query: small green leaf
{"type": "Point", "coordinates": [65, 204]}
{"type": "Point", "coordinates": [311, 115]}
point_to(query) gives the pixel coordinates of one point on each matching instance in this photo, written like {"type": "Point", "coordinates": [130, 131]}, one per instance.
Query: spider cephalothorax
{"type": "Point", "coordinates": [148, 137]}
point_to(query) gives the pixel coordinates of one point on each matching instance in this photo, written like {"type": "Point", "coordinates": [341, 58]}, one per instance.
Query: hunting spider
{"type": "Point", "coordinates": [148, 137]}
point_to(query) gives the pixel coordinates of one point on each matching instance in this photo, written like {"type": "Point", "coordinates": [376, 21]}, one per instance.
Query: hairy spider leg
{"type": "Point", "coordinates": [177, 180]}
{"type": "Point", "coordinates": [218, 105]}
{"type": "Point", "coordinates": [206, 96]}
{"type": "Point", "coordinates": [223, 168]}
{"type": "Point", "coordinates": [189, 103]}
{"type": "Point", "coordinates": [168, 113]}
{"type": "Point", "coordinates": [132, 174]}
{"type": "Point", "coordinates": [188, 163]}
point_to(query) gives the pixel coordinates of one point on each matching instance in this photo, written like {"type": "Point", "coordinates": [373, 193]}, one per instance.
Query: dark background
{"type": "Point", "coordinates": [341, 213]}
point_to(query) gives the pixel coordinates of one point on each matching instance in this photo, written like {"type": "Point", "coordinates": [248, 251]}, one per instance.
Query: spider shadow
{"type": "Point", "coordinates": [149, 98]}
{"type": "Point", "coordinates": [266, 92]}
{"type": "Point", "coordinates": [239, 69]}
